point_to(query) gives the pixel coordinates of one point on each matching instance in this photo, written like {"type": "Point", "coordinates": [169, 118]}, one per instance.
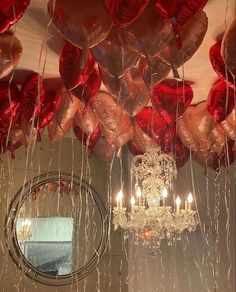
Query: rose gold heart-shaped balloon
{"type": "Point", "coordinates": [85, 119]}
{"type": "Point", "coordinates": [229, 126]}
{"type": "Point", "coordinates": [115, 122]}
{"type": "Point", "coordinates": [114, 56]}
{"type": "Point", "coordinates": [179, 12]}
{"type": "Point", "coordinates": [124, 13]}
{"type": "Point", "coordinates": [192, 35]}
{"type": "Point", "coordinates": [10, 53]}
{"type": "Point", "coordinates": [171, 98]}
{"type": "Point", "coordinates": [83, 23]}
{"type": "Point", "coordinates": [62, 122]}
{"type": "Point", "coordinates": [195, 127]}
{"type": "Point", "coordinates": [104, 150]}
{"type": "Point", "coordinates": [149, 34]}
{"type": "Point", "coordinates": [130, 90]}
{"type": "Point", "coordinates": [153, 70]}
{"type": "Point", "coordinates": [228, 47]}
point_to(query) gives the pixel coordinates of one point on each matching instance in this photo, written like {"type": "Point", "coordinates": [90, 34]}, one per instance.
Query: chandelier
{"type": "Point", "coordinates": [150, 217]}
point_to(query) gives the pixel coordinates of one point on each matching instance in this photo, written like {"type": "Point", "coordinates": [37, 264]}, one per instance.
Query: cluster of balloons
{"type": "Point", "coordinates": [127, 48]}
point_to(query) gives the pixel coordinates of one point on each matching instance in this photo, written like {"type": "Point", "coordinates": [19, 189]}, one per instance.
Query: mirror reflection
{"type": "Point", "coordinates": [59, 228]}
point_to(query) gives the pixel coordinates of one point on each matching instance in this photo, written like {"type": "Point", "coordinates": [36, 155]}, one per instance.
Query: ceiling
{"type": "Point", "coordinates": [41, 44]}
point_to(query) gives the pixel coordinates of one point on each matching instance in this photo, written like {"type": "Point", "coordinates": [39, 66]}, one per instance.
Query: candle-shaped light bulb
{"type": "Point", "coordinates": [139, 194]}
{"type": "Point", "coordinates": [132, 201]}
{"type": "Point", "coordinates": [119, 199]}
{"type": "Point", "coordinates": [190, 200]}
{"type": "Point", "coordinates": [178, 202]}
{"type": "Point", "coordinates": [164, 193]}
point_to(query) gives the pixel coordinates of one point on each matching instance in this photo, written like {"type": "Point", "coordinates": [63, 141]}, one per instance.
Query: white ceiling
{"type": "Point", "coordinates": [41, 43]}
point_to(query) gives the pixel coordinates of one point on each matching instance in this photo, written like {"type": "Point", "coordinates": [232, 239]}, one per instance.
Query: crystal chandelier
{"type": "Point", "coordinates": [150, 217]}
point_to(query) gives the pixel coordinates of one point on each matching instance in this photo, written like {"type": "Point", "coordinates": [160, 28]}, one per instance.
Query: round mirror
{"type": "Point", "coordinates": [57, 228]}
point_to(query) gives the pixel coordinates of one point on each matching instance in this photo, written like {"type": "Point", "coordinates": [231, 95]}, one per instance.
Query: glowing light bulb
{"type": "Point", "coordinates": [164, 193]}
{"type": "Point", "coordinates": [178, 202]}
{"type": "Point", "coordinates": [132, 201]}
{"type": "Point", "coordinates": [190, 198]}
{"type": "Point", "coordinates": [138, 192]}
{"type": "Point", "coordinates": [119, 198]}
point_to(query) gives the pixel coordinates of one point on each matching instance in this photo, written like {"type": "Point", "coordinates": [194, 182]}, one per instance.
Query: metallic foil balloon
{"type": "Point", "coordinates": [149, 35]}
{"type": "Point", "coordinates": [218, 64]}
{"type": "Point", "coordinates": [217, 140]}
{"type": "Point", "coordinates": [170, 98]}
{"type": "Point", "coordinates": [104, 150]}
{"type": "Point", "coordinates": [195, 127]}
{"type": "Point", "coordinates": [179, 12]}
{"type": "Point", "coordinates": [153, 70]}
{"type": "Point", "coordinates": [134, 148]}
{"type": "Point", "coordinates": [9, 106]}
{"type": "Point", "coordinates": [124, 12]}
{"type": "Point", "coordinates": [88, 140]}
{"type": "Point", "coordinates": [114, 56]}
{"type": "Point", "coordinates": [228, 47]}
{"type": "Point", "coordinates": [114, 121]}
{"type": "Point", "coordinates": [140, 140]}
{"type": "Point", "coordinates": [89, 89]}
{"type": "Point", "coordinates": [31, 98]}
{"type": "Point", "coordinates": [10, 12]}
{"type": "Point", "coordinates": [62, 122]}
{"type": "Point", "coordinates": [221, 101]}
{"type": "Point", "coordinates": [160, 133]}
{"type": "Point", "coordinates": [130, 90]}
{"type": "Point", "coordinates": [83, 23]}
{"type": "Point", "coordinates": [192, 35]}
{"type": "Point", "coordinates": [10, 53]}
{"type": "Point", "coordinates": [85, 119]}
{"type": "Point", "coordinates": [73, 69]}
{"type": "Point", "coordinates": [185, 134]}
{"type": "Point", "coordinates": [229, 126]}
{"type": "Point", "coordinates": [180, 153]}
{"type": "Point", "coordinates": [53, 96]}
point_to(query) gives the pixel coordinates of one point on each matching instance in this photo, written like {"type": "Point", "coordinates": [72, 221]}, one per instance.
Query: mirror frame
{"type": "Point", "coordinates": [11, 236]}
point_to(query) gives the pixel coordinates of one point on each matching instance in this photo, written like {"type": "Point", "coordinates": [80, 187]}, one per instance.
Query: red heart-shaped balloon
{"type": "Point", "coordinates": [181, 153]}
{"type": "Point", "coordinates": [218, 64]}
{"type": "Point", "coordinates": [10, 12]}
{"type": "Point", "coordinates": [51, 103]}
{"type": "Point", "coordinates": [90, 140]}
{"type": "Point", "coordinates": [89, 89]}
{"type": "Point", "coordinates": [171, 98]}
{"type": "Point", "coordinates": [75, 67]}
{"type": "Point", "coordinates": [161, 133]}
{"type": "Point", "coordinates": [124, 12]}
{"type": "Point", "coordinates": [9, 106]}
{"type": "Point", "coordinates": [178, 12]}
{"type": "Point", "coordinates": [32, 97]}
{"type": "Point", "coordinates": [220, 101]}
